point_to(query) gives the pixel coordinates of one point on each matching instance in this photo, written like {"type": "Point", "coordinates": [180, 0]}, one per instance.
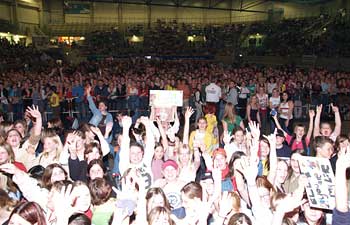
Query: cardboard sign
{"type": "Point", "coordinates": [321, 182]}
{"type": "Point", "coordinates": [162, 98]}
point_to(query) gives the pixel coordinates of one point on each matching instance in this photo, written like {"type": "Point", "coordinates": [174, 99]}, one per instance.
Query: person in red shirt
{"type": "Point", "coordinates": [183, 86]}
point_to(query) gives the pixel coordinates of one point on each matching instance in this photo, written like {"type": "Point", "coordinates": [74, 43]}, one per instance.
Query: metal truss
{"type": "Point", "coordinates": [207, 4]}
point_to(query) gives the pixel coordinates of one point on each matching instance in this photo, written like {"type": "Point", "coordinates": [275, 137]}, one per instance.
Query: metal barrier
{"type": "Point", "coordinates": [300, 112]}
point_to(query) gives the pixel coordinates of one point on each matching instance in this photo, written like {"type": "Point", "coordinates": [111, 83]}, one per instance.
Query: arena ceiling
{"type": "Point", "coordinates": [225, 5]}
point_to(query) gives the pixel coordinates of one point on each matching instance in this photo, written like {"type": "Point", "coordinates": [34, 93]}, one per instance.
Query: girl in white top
{"type": "Point", "coordinates": [285, 111]}
{"type": "Point", "coordinates": [274, 103]}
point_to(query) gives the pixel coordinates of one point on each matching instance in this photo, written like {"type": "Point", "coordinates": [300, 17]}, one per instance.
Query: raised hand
{"type": "Point", "coordinates": [34, 112]}
{"type": "Point", "coordinates": [227, 137]}
{"type": "Point", "coordinates": [254, 129]}
{"type": "Point", "coordinates": [95, 130]}
{"type": "Point", "coordinates": [319, 109]}
{"type": "Point", "coordinates": [335, 109]}
{"type": "Point", "coordinates": [312, 113]}
{"type": "Point", "coordinates": [126, 122]}
{"type": "Point", "coordinates": [272, 138]}
{"type": "Point", "coordinates": [225, 204]}
{"type": "Point", "coordinates": [249, 169]}
{"type": "Point", "coordinates": [63, 203]}
{"type": "Point", "coordinates": [344, 158]}
{"type": "Point", "coordinates": [189, 112]}
{"type": "Point", "coordinates": [144, 120]}
{"type": "Point", "coordinates": [109, 127]}
{"type": "Point", "coordinates": [289, 203]}
{"type": "Point", "coordinates": [9, 168]}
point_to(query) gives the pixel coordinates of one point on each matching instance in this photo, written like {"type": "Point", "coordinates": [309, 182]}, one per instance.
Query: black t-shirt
{"type": "Point", "coordinates": [284, 152]}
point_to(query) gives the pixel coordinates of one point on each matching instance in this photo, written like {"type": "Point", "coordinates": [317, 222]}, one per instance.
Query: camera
{"type": "Point", "coordinates": [273, 112]}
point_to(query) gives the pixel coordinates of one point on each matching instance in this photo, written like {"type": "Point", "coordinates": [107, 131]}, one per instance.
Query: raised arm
{"type": "Point", "coordinates": [273, 157]}
{"type": "Point", "coordinates": [311, 124]}
{"type": "Point", "coordinates": [165, 142]}
{"type": "Point", "coordinates": [189, 112]}
{"type": "Point", "coordinates": [28, 186]}
{"type": "Point", "coordinates": [341, 189]}
{"type": "Point", "coordinates": [35, 133]}
{"type": "Point", "coordinates": [317, 121]}
{"type": "Point", "coordinates": [278, 125]}
{"type": "Point", "coordinates": [92, 105]}
{"type": "Point", "coordinates": [337, 128]}
{"type": "Point", "coordinates": [124, 154]}
{"type": "Point", "coordinates": [150, 143]}
{"type": "Point", "coordinates": [104, 144]}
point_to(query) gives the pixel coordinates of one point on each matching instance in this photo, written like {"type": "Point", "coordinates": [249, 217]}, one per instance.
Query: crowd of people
{"type": "Point", "coordinates": [232, 158]}
{"type": "Point", "coordinates": [78, 144]}
{"type": "Point", "coordinates": [323, 36]}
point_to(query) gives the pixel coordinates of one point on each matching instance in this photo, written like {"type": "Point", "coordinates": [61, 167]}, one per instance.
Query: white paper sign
{"type": "Point", "coordinates": [162, 98]}
{"type": "Point", "coordinates": [321, 182]}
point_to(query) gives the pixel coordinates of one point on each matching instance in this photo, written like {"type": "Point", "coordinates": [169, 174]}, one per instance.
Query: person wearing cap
{"type": "Point", "coordinates": [219, 162]}
{"type": "Point", "coordinates": [171, 184]}
{"type": "Point", "coordinates": [282, 150]}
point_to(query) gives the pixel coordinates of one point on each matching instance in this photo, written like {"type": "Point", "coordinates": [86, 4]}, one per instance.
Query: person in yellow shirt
{"type": "Point", "coordinates": [54, 101]}
{"type": "Point", "coordinates": [202, 136]}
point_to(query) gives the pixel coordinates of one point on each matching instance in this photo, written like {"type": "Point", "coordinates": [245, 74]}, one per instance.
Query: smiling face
{"type": "Point", "coordinates": [102, 107]}
{"type": "Point", "coordinates": [136, 155]}
{"type": "Point", "coordinates": [264, 149]}
{"type": "Point", "coordinates": [239, 137]}
{"type": "Point", "coordinates": [158, 153]}
{"type": "Point", "coordinates": [184, 155]}
{"type": "Point", "coordinates": [220, 161]}
{"type": "Point", "coordinates": [170, 173]}
{"type": "Point", "coordinates": [294, 163]}
{"type": "Point", "coordinates": [20, 128]}
{"type": "Point", "coordinates": [312, 215]}
{"type": "Point", "coordinates": [96, 172]}
{"type": "Point", "coordinates": [202, 124]}
{"type": "Point", "coordinates": [50, 145]}
{"type": "Point", "coordinates": [57, 175]}
{"type": "Point", "coordinates": [299, 131]}
{"type": "Point", "coordinates": [94, 154]}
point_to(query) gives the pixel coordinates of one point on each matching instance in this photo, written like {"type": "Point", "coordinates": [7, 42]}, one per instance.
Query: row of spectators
{"type": "Point", "coordinates": [323, 36]}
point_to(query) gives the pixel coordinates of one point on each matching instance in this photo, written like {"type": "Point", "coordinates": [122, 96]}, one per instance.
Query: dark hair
{"type": "Point", "coordinates": [234, 157]}
{"type": "Point", "coordinates": [100, 191]}
{"type": "Point", "coordinates": [31, 212]}
{"type": "Point", "coordinates": [37, 172]}
{"type": "Point", "coordinates": [98, 162]}
{"type": "Point", "coordinates": [79, 219]}
{"type": "Point", "coordinates": [340, 139]}
{"type": "Point", "coordinates": [156, 191]}
{"type": "Point", "coordinates": [5, 201]}
{"type": "Point", "coordinates": [152, 216]}
{"type": "Point", "coordinates": [193, 190]}
{"type": "Point", "coordinates": [319, 141]}
{"type": "Point", "coordinates": [239, 218]}
{"type": "Point", "coordinates": [89, 147]}
{"type": "Point", "coordinates": [46, 178]}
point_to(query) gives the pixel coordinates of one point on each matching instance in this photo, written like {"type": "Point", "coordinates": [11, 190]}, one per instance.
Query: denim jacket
{"type": "Point", "coordinates": [96, 114]}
